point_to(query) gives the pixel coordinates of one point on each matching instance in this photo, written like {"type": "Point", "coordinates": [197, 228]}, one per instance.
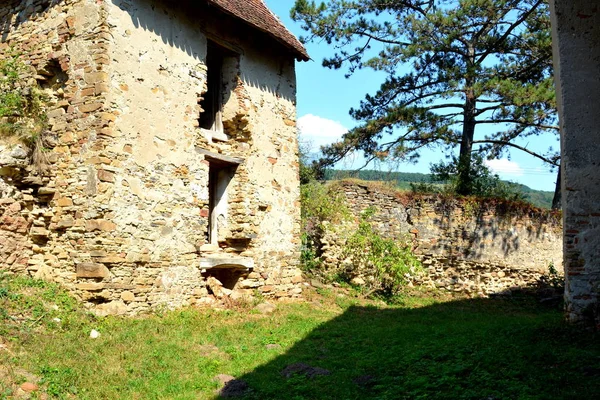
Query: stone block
{"type": "Point", "coordinates": [111, 259]}
{"type": "Point", "coordinates": [90, 287]}
{"type": "Point", "coordinates": [200, 292]}
{"type": "Point", "coordinates": [249, 284]}
{"type": "Point", "coordinates": [266, 289]}
{"type": "Point", "coordinates": [39, 231]}
{"type": "Point", "coordinates": [96, 77]}
{"type": "Point", "coordinates": [66, 222]}
{"type": "Point", "coordinates": [106, 176]}
{"type": "Point", "coordinates": [100, 225]}
{"type": "Point", "coordinates": [92, 270]}
{"type": "Point", "coordinates": [127, 297]}
{"type": "Point", "coordinates": [87, 108]}
{"type": "Point", "coordinates": [112, 308]}
{"type": "Point", "coordinates": [101, 87]}
{"type": "Point", "coordinates": [64, 202]}
{"type": "Point", "coordinates": [296, 291]}
{"type": "Point", "coordinates": [59, 112]}
{"type": "Point", "coordinates": [87, 92]}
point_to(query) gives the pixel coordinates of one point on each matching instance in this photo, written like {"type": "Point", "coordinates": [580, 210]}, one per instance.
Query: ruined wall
{"type": "Point", "coordinates": [65, 46]}
{"type": "Point", "coordinates": [576, 42]}
{"type": "Point", "coordinates": [465, 245]}
{"type": "Point", "coordinates": [128, 216]}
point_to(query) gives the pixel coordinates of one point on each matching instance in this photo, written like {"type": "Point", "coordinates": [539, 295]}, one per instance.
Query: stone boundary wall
{"type": "Point", "coordinates": [465, 245]}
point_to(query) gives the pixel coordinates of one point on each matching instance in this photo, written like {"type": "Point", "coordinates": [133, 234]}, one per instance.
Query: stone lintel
{"type": "Point", "coordinates": [219, 158]}
{"type": "Point", "coordinates": [240, 263]}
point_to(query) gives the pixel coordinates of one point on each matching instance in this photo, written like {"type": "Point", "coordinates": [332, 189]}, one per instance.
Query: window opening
{"type": "Point", "coordinates": [219, 178]}
{"type": "Point", "coordinates": [213, 99]}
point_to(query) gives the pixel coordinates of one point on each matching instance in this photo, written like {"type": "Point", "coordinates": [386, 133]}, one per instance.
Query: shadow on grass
{"type": "Point", "coordinates": [468, 349]}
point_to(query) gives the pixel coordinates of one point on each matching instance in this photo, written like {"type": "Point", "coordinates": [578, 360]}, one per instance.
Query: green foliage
{"type": "Point", "coordinates": [425, 348]}
{"type": "Point", "coordinates": [320, 203]}
{"type": "Point", "coordinates": [384, 262]}
{"type": "Point", "coordinates": [481, 183]}
{"type": "Point", "coordinates": [538, 198]}
{"type": "Point", "coordinates": [308, 171]}
{"type": "Point", "coordinates": [374, 175]}
{"type": "Point", "coordinates": [12, 289]}
{"type": "Point", "coordinates": [553, 279]}
{"type": "Point", "coordinates": [309, 259]}
{"type": "Point", "coordinates": [424, 188]}
{"type": "Point", "coordinates": [60, 382]}
{"type": "Point", "coordinates": [425, 183]}
{"type": "Point", "coordinates": [450, 66]}
{"type": "Point", "coordinates": [22, 105]}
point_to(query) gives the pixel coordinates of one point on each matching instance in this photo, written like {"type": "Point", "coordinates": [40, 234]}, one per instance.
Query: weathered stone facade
{"type": "Point", "coordinates": [141, 203]}
{"type": "Point", "coordinates": [465, 245]}
{"type": "Point", "coordinates": [576, 41]}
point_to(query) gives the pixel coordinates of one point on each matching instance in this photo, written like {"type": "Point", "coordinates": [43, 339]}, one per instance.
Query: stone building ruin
{"type": "Point", "coordinates": [576, 47]}
{"type": "Point", "coordinates": [172, 157]}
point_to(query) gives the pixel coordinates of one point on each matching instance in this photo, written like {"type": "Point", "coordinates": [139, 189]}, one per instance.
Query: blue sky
{"type": "Point", "coordinates": [325, 96]}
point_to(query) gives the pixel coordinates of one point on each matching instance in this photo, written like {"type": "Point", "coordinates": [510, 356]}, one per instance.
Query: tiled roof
{"type": "Point", "coordinates": [256, 13]}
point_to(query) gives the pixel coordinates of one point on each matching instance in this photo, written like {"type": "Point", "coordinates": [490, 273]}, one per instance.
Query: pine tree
{"type": "Point", "coordinates": [451, 66]}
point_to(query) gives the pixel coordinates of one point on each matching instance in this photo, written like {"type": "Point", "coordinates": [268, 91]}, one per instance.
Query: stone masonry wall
{"type": "Point", "coordinates": [576, 45]}
{"type": "Point", "coordinates": [121, 217]}
{"type": "Point", "coordinates": [65, 44]}
{"type": "Point", "coordinates": [465, 245]}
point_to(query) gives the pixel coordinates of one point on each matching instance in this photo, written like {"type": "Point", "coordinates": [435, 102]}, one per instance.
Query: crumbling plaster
{"type": "Point", "coordinates": [124, 221]}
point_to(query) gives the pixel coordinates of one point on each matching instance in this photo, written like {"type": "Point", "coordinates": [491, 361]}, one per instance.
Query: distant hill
{"type": "Point", "coordinates": [403, 180]}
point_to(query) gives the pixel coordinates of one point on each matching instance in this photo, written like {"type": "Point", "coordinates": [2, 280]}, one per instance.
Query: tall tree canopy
{"type": "Point", "coordinates": [451, 66]}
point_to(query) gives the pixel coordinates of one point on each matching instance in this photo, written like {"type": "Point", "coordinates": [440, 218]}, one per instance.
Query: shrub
{"type": "Point", "coordinates": [383, 263]}
{"type": "Point", "coordinates": [482, 182]}
{"type": "Point", "coordinates": [320, 203]}
{"type": "Point", "coordinates": [22, 106]}
{"type": "Point", "coordinates": [553, 279]}
{"type": "Point", "coordinates": [424, 188]}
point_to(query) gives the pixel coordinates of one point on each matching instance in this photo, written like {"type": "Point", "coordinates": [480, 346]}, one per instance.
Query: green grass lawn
{"type": "Point", "coordinates": [428, 347]}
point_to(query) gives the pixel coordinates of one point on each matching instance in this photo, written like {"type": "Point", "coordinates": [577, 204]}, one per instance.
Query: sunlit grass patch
{"type": "Point", "coordinates": [423, 346]}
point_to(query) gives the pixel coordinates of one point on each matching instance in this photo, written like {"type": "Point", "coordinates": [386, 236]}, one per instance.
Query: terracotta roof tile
{"type": "Point", "coordinates": [256, 13]}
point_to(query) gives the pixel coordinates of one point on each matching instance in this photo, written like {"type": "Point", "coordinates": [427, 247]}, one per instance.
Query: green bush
{"type": "Point", "coordinates": [553, 279]}
{"type": "Point", "coordinates": [383, 263]}
{"type": "Point", "coordinates": [482, 182]}
{"type": "Point", "coordinates": [424, 187]}
{"type": "Point", "coordinates": [320, 203]}
{"type": "Point", "coordinates": [22, 106]}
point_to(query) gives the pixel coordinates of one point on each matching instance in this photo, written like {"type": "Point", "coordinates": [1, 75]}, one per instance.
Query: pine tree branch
{"type": "Point", "coordinates": [516, 146]}
{"type": "Point", "coordinates": [509, 31]}
{"type": "Point", "coordinates": [516, 121]}
{"type": "Point", "coordinates": [379, 39]}
{"type": "Point", "coordinates": [480, 111]}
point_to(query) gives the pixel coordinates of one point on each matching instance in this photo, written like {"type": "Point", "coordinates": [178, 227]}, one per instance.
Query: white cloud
{"type": "Point", "coordinates": [318, 131]}
{"type": "Point", "coordinates": [504, 167]}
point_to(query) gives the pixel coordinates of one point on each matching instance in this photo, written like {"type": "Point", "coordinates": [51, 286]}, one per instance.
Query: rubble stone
{"type": "Point", "coordinates": [123, 206]}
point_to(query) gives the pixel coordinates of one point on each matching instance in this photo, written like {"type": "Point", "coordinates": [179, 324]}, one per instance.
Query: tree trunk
{"type": "Point", "coordinates": [464, 184]}
{"type": "Point", "coordinates": [557, 200]}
